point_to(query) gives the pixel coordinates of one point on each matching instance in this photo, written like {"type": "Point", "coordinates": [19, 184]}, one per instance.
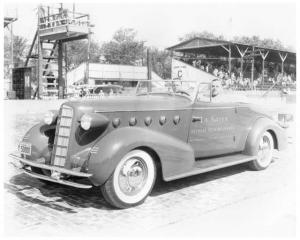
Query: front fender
{"type": "Point", "coordinates": [176, 156]}
{"type": "Point", "coordinates": [259, 127]}
{"type": "Point", "coordinates": [41, 137]}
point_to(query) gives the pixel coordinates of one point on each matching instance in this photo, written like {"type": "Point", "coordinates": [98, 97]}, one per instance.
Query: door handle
{"type": "Point", "coordinates": [196, 119]}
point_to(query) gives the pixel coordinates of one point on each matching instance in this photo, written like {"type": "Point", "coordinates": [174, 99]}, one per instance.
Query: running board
{"type": "Point", "coordinates": [211, 164]}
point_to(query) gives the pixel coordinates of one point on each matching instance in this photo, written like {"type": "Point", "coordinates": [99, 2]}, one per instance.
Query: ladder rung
{"type": "Point", "coordinates": [49, 49]}
{"type": "Point", "coordinates": [49, 42]}
{"type": "Point", "coordinates": [49, 57]}
{"type": "Point", "coordinates": [44, 57]}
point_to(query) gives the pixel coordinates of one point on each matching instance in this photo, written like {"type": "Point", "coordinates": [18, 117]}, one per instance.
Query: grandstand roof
{"type": "Point", "coordinates": [216, 48]}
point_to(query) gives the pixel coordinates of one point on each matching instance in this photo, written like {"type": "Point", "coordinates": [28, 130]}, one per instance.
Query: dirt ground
{"type": "Point", "coordinates": [224, 203]}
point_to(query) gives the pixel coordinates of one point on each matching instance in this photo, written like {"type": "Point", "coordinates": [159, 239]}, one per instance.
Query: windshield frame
{"type": "Point", "coordinates": [191, 98]}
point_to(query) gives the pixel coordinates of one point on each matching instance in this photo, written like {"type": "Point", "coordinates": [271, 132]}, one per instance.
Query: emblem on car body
{"type": "Point", "coordinates": [116, 122]}
{"type": "Point", "coordinates": [148, 121]}
{"type": "Point", "coordinates": [132, 121]}
{"type": "Point", "coordinates": [176, 119]}
{"type": "Point", "coordinates": [162, 120]}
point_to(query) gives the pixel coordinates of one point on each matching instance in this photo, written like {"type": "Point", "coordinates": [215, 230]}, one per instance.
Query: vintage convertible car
{"type": "Point", "coordinates": [175, 129]}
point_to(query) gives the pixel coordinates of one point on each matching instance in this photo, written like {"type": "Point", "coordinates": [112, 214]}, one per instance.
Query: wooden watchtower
{"type": "Point", "coordinates": [56, 26]}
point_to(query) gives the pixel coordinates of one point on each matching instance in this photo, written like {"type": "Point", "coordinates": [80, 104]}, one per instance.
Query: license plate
{"type": "Point", "coordinates": [25, 148]}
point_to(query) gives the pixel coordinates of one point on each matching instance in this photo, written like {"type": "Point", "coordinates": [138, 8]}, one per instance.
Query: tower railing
{"type": "Point", "coordinates": [63, 19]}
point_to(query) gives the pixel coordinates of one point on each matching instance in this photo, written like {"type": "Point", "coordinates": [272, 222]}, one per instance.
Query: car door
{"type": "Point", "coordinates": [213, 128]}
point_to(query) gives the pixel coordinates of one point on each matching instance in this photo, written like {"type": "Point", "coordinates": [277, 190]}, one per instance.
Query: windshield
{"type": "Point", "coordinates": [183, 88]}
{"type": "Point", "coordinates": [187, 89]}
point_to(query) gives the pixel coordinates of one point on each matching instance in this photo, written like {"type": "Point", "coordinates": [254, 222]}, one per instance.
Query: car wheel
{"type": "Point", "coordinates": [265, 152]}
{"type": "Point", "coordinates": [131, 181]}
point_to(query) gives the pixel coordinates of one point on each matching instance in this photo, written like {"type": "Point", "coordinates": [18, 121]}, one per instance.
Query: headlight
{"type": "Point", "coordinates": [86, 121]}
{"type": "Point", "coordinates": [50, 117]}
{"type": "Point", "coordinates": [93, 120]}
{"type": "Point", "coordinates": [283, 119]}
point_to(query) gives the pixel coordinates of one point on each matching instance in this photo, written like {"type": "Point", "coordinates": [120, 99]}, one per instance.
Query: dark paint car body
{"type": "Point", "coordinates": [176, 132]}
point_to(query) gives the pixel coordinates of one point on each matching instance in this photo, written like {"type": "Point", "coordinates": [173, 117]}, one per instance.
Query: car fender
{"type": "Point", "coordinates": [258, 128]}
{"type": "Point", "coordinates": [38, 137]}
{"type": "Point", "coordinates": [175, 156]}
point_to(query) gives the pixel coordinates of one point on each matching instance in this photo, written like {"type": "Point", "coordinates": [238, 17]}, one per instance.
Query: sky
{"type": "Point", "coordinates": [161, 23]}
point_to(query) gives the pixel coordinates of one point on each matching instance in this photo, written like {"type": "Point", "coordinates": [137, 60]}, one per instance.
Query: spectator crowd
{"type": "Point", "coordinates": [239, 80]}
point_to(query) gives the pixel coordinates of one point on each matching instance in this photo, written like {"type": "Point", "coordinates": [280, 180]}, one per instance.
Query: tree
{"type": "Point", "coordinates": [123, 48]}
{"type": "Point", "coordinates": [77, 52]}
{"type": "Point", "coordinates": [161, 62]}
{"type": "Point", "coordinates": [256, 41]}
{"type": "Point", "coordinates": [19, 53]}
{"type": "Point", "coordinates": [203, 34]}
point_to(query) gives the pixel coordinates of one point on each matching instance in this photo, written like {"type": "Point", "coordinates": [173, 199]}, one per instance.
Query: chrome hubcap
{"type": "Point", "coordinates": [133, 176]}
{"type": "Point", "coordinates": [264, 150]}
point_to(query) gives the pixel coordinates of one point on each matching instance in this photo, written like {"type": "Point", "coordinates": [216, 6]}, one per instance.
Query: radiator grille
{"type": "Point", "coordinates": [62, 136]}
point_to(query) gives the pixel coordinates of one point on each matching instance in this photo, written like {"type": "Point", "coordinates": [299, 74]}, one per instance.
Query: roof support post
{"type": "Point", "coordinates": [229, 57]}
{"type": "Point", "coordinates": [242, 67]}
{"type": "Point", "coordinates": [263, 71]}
{"type": "Point", "coordinates": [282, 61]}
{"type": "Point", "coordinates": [264, 56]}
{"type": "Point", "coordinates": [229, 60]}
{"type": "Point", "coordinates": [242, 53]}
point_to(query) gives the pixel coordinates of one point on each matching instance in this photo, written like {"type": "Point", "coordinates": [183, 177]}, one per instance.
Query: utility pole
{"type": "Point", "coordinates": [66, 66]}
{"type": "Point", "coordinates": [11, 54]}
{"type": "Point", "coordinates": [40, 59]}
{"type": "Point", "coordinates": [73, 10]}
{"type": "Point", "coordinates": [87, 73]}
{"type": "Point", "coordinates": [149, 70]}
{"type": "Point", "coordinates": [252, 68]}
{"type": "Point", "coordinates": [60, 71]}
{"type": "Point", "coordinates": [149, 75]}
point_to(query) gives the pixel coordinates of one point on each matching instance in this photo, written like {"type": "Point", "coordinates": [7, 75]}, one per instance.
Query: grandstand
{"type": "Point", "coordinates": [241, 66]}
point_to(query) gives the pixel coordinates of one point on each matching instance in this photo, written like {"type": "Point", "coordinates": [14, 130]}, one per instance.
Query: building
{"type": "Point", "coordinates": [99, 72]}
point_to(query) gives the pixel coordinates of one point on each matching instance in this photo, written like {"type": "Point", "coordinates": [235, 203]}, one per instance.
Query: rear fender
{"type": "Point", "coordinates": [259, 127]}
{"type": "Point", "coordinates": [175, 156]}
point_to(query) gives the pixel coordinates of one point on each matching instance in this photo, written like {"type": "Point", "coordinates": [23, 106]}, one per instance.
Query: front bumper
{"type": "Point", "coordinates": [56, 172]}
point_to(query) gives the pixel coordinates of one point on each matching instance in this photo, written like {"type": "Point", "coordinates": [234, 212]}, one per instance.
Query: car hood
{"type": "Point", "coordinates": [136, 103]}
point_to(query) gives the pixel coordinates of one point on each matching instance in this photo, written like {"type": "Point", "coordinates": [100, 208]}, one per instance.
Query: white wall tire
{"type": "Point", "coordinates": [264, 153]}
{"type": "Point", "coordinates": [131, 181]}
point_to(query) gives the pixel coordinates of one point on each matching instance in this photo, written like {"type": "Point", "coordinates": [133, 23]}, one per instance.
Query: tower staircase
{"type": "Point", "coordinates": [56, 26]}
